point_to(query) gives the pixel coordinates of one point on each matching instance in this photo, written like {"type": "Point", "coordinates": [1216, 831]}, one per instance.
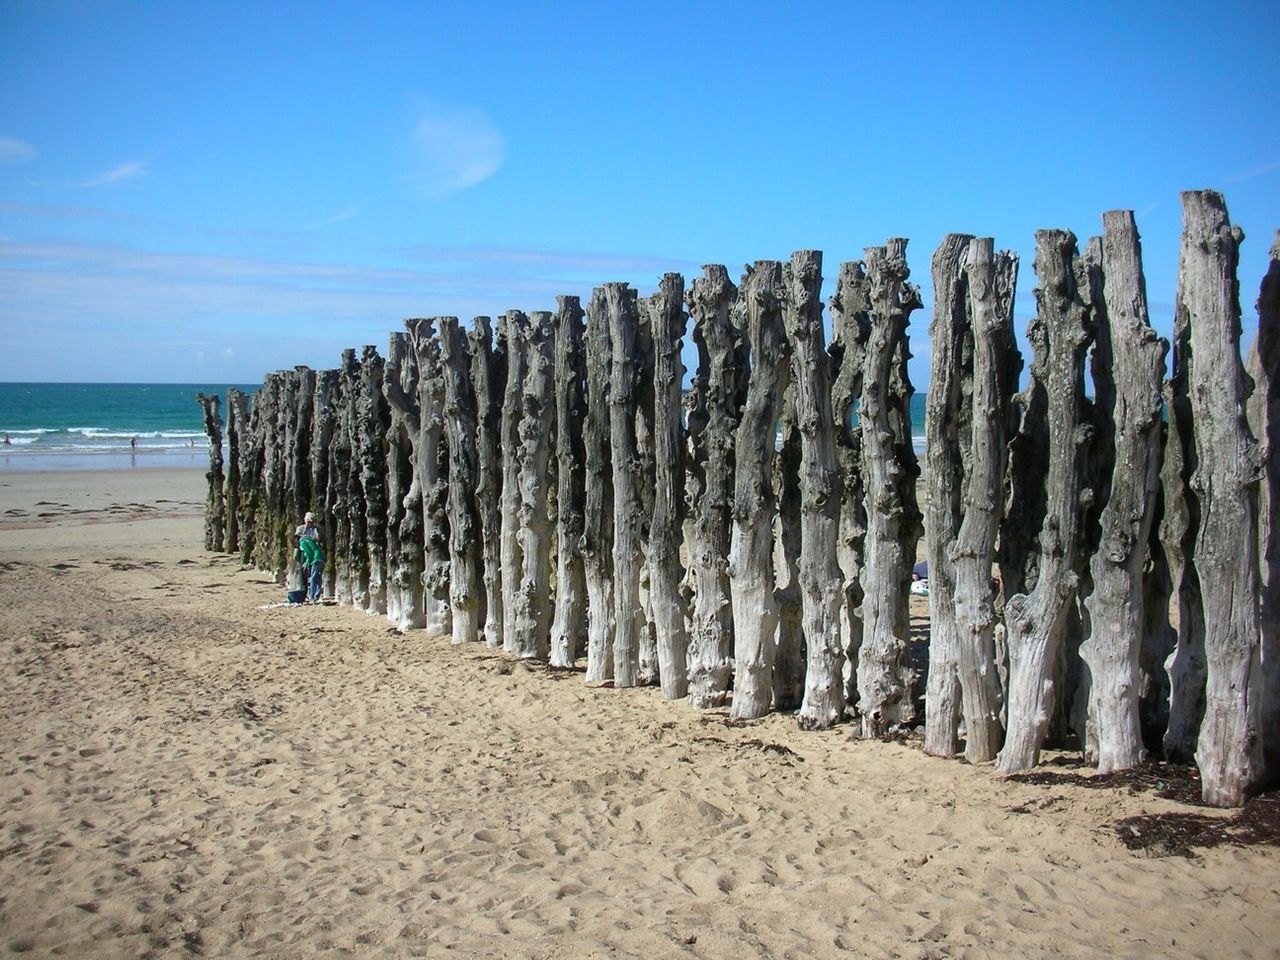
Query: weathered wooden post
{"type": "Point", "coordinates": [597, 533]}
{"type": "Point", "coordinates": [352, 539]}
{"type": "Point", "coordinates": [371, 420]}
{"type": "Point", "coordinates": [991, 282]}
{"type": "Point", "coordinates": [1129, 348]}
{"type": "Point", "coordinates": [489, 375]}
{"type": "Point", "coordinates": [431, 465]}
{"type": "Point", "coordinates": [850, 332]}
{"type": "Point", "coordinates": [1264, 421]}
{"type": "Point", "coordinates": [667, 322]}
{"type": "Point", "coordinates": [324, 422]}
{"type": "Point", "coordinates": [713, 422]}
{"type": "Point", "coordinates": [250, 462]}
{"type": "Point", "coordinates": [1035, 620]}
{"type": "Point", "coordinates": [569, 623]}
{"type": "Point", "coordinates": [758, 312]}
{"type": "Point", "coordinates": [404, 534]}
{"type": "Point", "coordinates": [466, 588]}
{"type": "Point", "coordinates": [821, 490]}
{"type": "Point", "coordinates": [628, 509]}
{"type": "Point", "coordinates": [512, 331]}
{"type": "Point", "coordinates": [889, 471]}
{"type": "Point", "coordinates": [532, 606]}
{"type": "Point", "coordinates": [948, 426]}
{"type": "Point", "coordinates": [1229, 748]}
{"type": "Point", "coordinates": [789, 660]}
{"type": "Point", "coordinates": [214, 517]}
{"type": "Point", "coordinates": [237, 425]}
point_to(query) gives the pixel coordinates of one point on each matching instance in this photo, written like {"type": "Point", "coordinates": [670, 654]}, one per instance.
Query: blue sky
{"type": "Point", "coordinates": [209, 191]}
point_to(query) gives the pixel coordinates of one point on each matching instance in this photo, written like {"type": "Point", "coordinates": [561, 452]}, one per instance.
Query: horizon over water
{"type": "Point", "coordinates": [88, 426]}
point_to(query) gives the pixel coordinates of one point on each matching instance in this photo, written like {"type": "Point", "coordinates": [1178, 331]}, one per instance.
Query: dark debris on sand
{"type": "Point", "coordinates": [1174, 834]}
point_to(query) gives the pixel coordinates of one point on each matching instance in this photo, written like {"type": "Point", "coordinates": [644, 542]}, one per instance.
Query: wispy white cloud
{"type": "Point", "coordinates": [1258, 171]}
{"type": "Point", "coordinates": [597, 266]}
{"type": "Point", "coordinates": [454, 148]}
{"type": "Point", "coordinates": [123, 171]}
{"type": "Point", "coordinates": [15, 151]}
{"type": "Point", "coordinates": [345, 214]}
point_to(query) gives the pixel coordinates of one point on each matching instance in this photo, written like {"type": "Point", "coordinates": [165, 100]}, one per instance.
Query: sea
{"type": "Point", "coordinates": [104, 426]}
{"type": "Point", "coordinates": [90, 426]}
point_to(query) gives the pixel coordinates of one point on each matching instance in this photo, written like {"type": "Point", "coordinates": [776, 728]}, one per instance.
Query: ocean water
{"type": "Point", "coordinates": [86, 426]}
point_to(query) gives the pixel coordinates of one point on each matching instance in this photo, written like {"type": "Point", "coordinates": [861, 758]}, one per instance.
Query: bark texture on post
{"type": "Point", "coordinates": [757, 312]}
{"type": "Point", "coordinates": [643, 359]}
{"type": "Point", "coordinates": [431, 467]}
{"type": "Point", "coordinates": [667, 323]}
{"type": "Point", "coordinates": [237, 436]}
{"type": "Point", "coordinates": [789, 660]}
{"type": "Point", "coordinates": [569, 623]}
{"type": "Point", "coordinates": [628, 509]}
{"type": "Point", "coordinates": [214, 504]}
{"type": "Point", "coordinates": [1128, 346]}
{"type": "Point", "coordinates": [404, 569]}
{"type": "Point", "coordinates": [351, 580]}
{"type": "Point", "coordinates": [466, 588]}
{"type": "Point", "coordinates": [372, 417]}
{"type": "Point", "coordinates": [1035, 621]}
{"type": "Point", "coordinates": [948, 426]}
{"type": "Point", "coordinates": [1264, 420]}
{"type": "Point", "coordinates": [489, 375]}
{"type": "Point", "coordinates": [889, 471]}
{"type": "Point", "coordinates": [850, 332]}
{"type": "Point", "coordinates": [597, 533]}
{"type": "Point", "coordinates": [532, 607]}
{"type": "Point", "coordinates": [512, 332]}
{"type": "Point", "coordinates": [1229, 748]}
{"type": "Point", "coordinates": [713, 421]}
{"type": "Point", "coordinates": [821, 490]}
{"type": "Point", "coordinates": [324, 425]}
{"type": "Point", "coordinates": [991, 281]}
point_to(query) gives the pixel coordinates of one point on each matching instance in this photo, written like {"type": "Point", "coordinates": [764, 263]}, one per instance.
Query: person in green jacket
{"type": "Point", "coordinates": [312, 558]}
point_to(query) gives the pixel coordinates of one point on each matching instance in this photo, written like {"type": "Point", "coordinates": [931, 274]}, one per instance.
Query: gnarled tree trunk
{"type": "Point", "coordinates": [991, 281]}
{"type": "Point", "coordinates": [789, 660]}
{"type": "Point", "coordinates": [667, 323]}
{"type": "Point", "coordinates": [1129, 347]}
{"type": "Point", "coordinates": [489, 374]}
{"type": "Point", "coordinates": [511, 331]}
{"type": "Point", "coordinates": [889, 471]}
{"type": "Point", "coordinates": [532, 607]}
{"type": "Point", "coordinates": [237, 426]}
{"type": "Point", "coordinates": [850, 332]}
{"type": "Point", "coordinates": [1035, 621]}
{"type": "Point", "coordinates": [1229, 748]}
{"type": "Point", "coordinates": [713, 420]}
{"type": "Point", "coordinates": [820, 494]}
{"type": "Point", "coordinates": [569, 623]}
{"type": "Point", "coordinates": [1264, 420]}
{"type": "Point", "coordinates": [214, 516]}
{"type": "Point", "coordinates": [597, 533]}
{"type": "Point", "coordinates": [758, 312]}
{"type": "Point", "coordinates": [431, 467]}
{"type": "Point", "coordinates": [404, 574]}
{"type": "Point", "coordinates": [628, 508]}
{"type": "Point", "coordinates": [948, 428]}
{"type": "Point", "coordinates": [372, 417]}
{"type": "Point", "coordinates": [324, 424]}
{"type": "Point", "coordinates": [466, 589]}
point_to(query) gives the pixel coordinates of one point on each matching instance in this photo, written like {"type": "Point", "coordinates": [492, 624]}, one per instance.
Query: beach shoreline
{"type": "Point", "coordinates": [190, 769]}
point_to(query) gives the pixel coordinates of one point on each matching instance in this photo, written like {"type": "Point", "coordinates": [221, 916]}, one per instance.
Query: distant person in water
{"type": "Point", "coordinates": [133, 443]}
{"type": "Point", "coordinates": [7, 441]}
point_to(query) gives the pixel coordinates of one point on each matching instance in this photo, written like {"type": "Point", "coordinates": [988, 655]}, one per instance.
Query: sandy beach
{"type": "Point", "coordinates": [187, 773]}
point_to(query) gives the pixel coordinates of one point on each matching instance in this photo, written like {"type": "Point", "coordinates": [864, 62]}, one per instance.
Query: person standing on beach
{"type": "Point", "coordinates": [312, 557]}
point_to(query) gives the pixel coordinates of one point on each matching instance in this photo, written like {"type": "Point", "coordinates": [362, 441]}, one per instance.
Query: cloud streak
{"type": "Point", "coordinates": [15, 151]}
{"type": "Point", "coordinates": [455, 148]}
{"type": "Point", "coordinates": [123, 171]}
{"type": "Point", "coordinates": [1259, 171]}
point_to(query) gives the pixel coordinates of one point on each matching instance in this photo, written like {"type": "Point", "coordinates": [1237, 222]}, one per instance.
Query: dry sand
{"type": "Point", "coordinates": [186, 773]}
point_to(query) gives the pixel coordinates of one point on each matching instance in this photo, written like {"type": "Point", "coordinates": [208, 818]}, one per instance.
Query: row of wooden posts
{"type": "Point", "coordinates": [1102, 566]}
